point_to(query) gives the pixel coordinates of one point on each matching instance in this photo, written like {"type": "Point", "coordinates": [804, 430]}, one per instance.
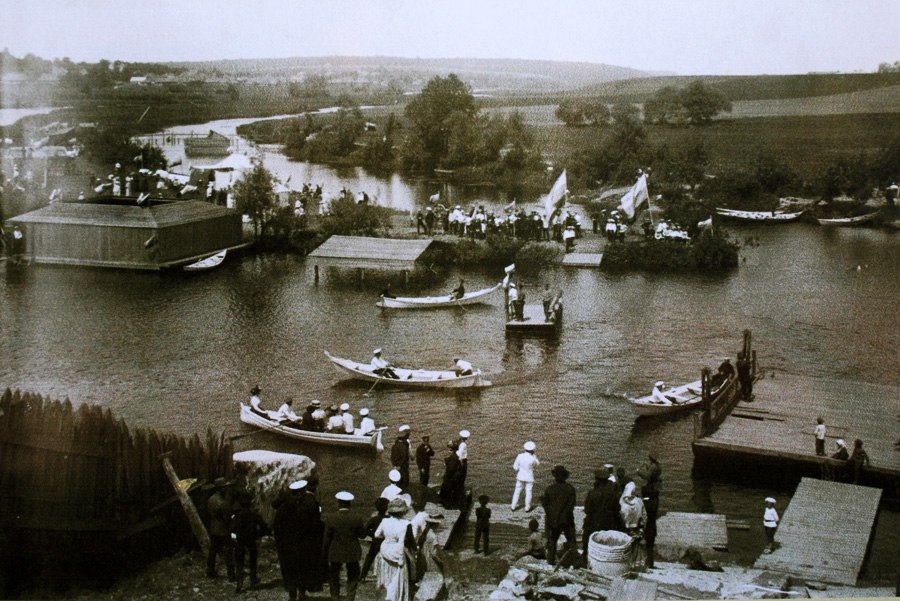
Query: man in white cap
{"type": "Point", "coordinates": [381, 367]}
{"type": "Point", "coordinates": [611, 470]}
{"type": "Point", "coordinates": [347, 418]}
{"type": "Point", "coordinates": [335, 422]}
{"type": "Point", "coordinates": [318, 415]}
{"type": "Point", "coordinates": [524, 465]}
{"type": "Point", "coordinates": [343, 529]}
{"type": "Point", "coordinates": [658, 396]}
{"type": "Point", "coordinates": [462, 367]}
{"type": "Point", "coordinates": [463, 453]}
{"type": "Point", "coordinates": [770, 522]}
{"type": "Point", "coordinates": [400, 453]}
{"type": "Point", "coordinates": [366, 424]}
{"type": "Point", "coordinates": [513, 294]}
{"type": "Point", "coordinates": [287, 529]}
{"type": "Point", "coordinates": [392, 490]}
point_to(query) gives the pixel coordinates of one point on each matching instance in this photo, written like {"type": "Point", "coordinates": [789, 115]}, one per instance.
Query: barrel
{"type": "Point", "coordinates": [609, 552]}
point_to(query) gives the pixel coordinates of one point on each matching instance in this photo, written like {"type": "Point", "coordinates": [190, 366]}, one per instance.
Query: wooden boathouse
{"type": "Point", "coordinates": [116, 232]}
{"type": "Point", "coordinates": [360, 253]}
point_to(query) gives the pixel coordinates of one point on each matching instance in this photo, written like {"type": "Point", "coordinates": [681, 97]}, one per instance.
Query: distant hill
{"type": "Point", "coordinates": [486, 76]}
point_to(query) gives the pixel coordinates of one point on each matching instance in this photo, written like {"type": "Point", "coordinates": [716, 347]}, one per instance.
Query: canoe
{"type": "Point", "coordinates": [677, 398]}
{"type": "Point", "coordinates": [373, 440]}
{"type": "Point", "coordinates": [435, 302]}
{"type": "Point", "coordinates": [207, 263]}
{"type": "Point", "coordinates": [413, 378]}
{"type": "Point", "coordinates": [779, 216]}
{"type": "Point", "coordinates": [848, 221]}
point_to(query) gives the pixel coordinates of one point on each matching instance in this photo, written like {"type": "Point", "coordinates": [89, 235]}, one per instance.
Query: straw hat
{"type": "Point", "coordinates": [397, 506]}
{"type": "Point", "coordinates": [403, 428]}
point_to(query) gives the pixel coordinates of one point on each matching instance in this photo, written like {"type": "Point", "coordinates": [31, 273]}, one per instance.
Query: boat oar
{"type": "Point", "coordinates": [374, 384]}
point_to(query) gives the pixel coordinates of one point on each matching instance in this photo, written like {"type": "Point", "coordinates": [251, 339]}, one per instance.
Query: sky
{"type": "Point", "coordinates": [724, 37]}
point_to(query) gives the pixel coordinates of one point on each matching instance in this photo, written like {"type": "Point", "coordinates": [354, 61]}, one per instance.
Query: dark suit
{"type": "Point", "coordinates": [559, 510]}
{"type": "Point", "coordinates": [343, 529]}
{"type": "Point", "coordinates": [400, 460]}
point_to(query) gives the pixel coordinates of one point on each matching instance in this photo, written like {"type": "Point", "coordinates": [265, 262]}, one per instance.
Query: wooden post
{"type": "Point", "coordinates": [406, 278]}
{"type": "Point", "coordinates": [187, 504]}
{"type": "Point", "coordinates": [316, 275]}
{"type": "Point", "coordinates": [359, 270]}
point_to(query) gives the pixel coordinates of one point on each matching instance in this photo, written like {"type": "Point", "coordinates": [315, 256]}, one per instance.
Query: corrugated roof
{"type": "Point", "coordinates": [110, 215]}
{"type": "Point", "coordinates": [362, 251]}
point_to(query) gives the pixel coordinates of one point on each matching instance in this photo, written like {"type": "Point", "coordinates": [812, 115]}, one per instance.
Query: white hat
{"type": "Point", "coordinates": [529, 446]}
{"type": "Point", "coordinates": [298, 485]}
{"type": "Point", "coordinates": [464, 434]}
{"type": "Point", "coordinates": [608, 466]}
{"type": "Point", "coordinates": [344, 496]}
{"type": "Point", "coordinates": [512, 284]}
{"type": "Point", "coordinates": [316, 403]}
{"type": "Point", "coordinates": [394, 475]}
{"type": "Point", "coordinates": [770, 500]}
{"type": "Point", "coordinates": [364, 411]}
{"type": "Point", "coordinates": [840, 442]}
{"type": "Point", "coordinates": [403, 428]}
{"type": "Point", "coordinates": [345, 407]}
{"type": "Point", "coordinates": [660, 384]}
{"type": "Point", "coordinates": [376, 351]}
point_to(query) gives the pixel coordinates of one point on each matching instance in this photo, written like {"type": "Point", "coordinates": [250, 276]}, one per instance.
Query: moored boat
{"type": "Point", "coordinates": [256, 419]}
{"type": "Point", "coordinates": [849, 221]}
{"type": "Point", "coordinates": [207, 263]}
{"type": "Point", "coordinates": [673, 399]}
{"type": "Point", "coordinates": [436, 302]}
{"type": "Point", "coordinates": [779, 216]}
{"type": "Point", "coordinates": [413, 378]}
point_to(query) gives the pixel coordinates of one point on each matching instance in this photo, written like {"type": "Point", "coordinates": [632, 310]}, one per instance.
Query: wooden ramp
{"type": "Point", "coordinates": [778, 426]}
{"type": "Point", "coordinates": [533, 322]}
{"type": "Point", "coordinates": [683, 530]}
{"type": "Point", "coordinates": [510, 528]}
{"type": "Point", "coordinates": [824, 532]}
{"type": "Point", "coordinates": [582, 259]}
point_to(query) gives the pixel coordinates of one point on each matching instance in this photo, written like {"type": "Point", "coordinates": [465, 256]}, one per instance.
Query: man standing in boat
{"type": "Point", "coordinates": [382, 367]}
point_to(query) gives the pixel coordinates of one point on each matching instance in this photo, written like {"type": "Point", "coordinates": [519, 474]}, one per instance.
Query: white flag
{"type": "Point", "coordinates": [556, 198]}
{"type": "Point", "coordinates": [635, 197]}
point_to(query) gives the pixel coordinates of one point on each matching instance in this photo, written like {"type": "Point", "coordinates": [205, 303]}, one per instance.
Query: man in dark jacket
{"type": "Point", "coordinates": [288, 531]}
{"type": "Point", "coordinates": [593, 508]}
{"type": "Point", "coordinates": [424, 453]}
{"type": "Point", "coordinates": [652, 474]}
{"type": "Point", "coordinates": [343, 529]}
{"type": "Point", "coordinates": [246, 526]}
{"type": "Point", "coordinates": [220, 507]}
{"type": "Point", "coordinates": [559, 509]}
{"type": "Point", "coordinates": [400, 455]}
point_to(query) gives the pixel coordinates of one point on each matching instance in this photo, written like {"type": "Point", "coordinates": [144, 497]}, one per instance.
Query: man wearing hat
{"type": "Point", "coordinates": [381, 367]}
{"type": "Point", "coordinates": [335, 422]}
{"type": "Point", "coordinates": [600, 508]}
{"type": "Point", "coordinates": [559, 510]}
{"type": "Point", "coordinates": [347, 418]}
{"type": "Point", "coordinates": [400, 452]}
{"type": "Point", "coordinates": [307, 421]}
{"type": "Point", "coordinates": [524, 465]}
{"type": "Point", "coordinates": [513, 296]}
{"type": "Point", "coordinates": [286, 412]}
{"type": "Point", "coordinates": [424, 453]}
{"type": "Point", "coordinates": [770, 522]}
{"type": "Point", "coordinates": [318, 415]}
{"type": "Point", "coordinates": [256, 402]}
{"type": "Point", "coordinates": [220, 507]}
{"type": "Point", "coordinates": [343, 529]}
{"type": "Point", "coordinates": [366, 424]}
{"type": "Point", "coordinates": [287, 528]}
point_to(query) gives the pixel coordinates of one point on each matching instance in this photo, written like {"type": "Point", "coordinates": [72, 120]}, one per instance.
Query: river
{"type": "Point", "coordinates": [177, 352]}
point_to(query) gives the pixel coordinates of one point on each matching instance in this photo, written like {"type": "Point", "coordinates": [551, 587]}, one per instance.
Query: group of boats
{"type": "Point", "coordinates": [779, 216]}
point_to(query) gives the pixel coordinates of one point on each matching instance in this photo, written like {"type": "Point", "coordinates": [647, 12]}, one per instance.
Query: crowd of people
{"type": "Point", "coordinates": [478, 223]}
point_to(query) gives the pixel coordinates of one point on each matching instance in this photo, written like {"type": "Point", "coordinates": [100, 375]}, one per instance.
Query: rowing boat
{"type": "Point", "coordinates": [673, 399]}
{"type": "Point", "coordinates": [435, 302]}
{"type": "Point", "coordinates": [779, 216]}
{"type": "Point", "coordinates": [848, 221]}
{"type": "Point", "coordinates": [413, 378]}
{"type": "Point", "coordinates": [254, 418]}
{"type": "Point", "coordinates": [207, 263]}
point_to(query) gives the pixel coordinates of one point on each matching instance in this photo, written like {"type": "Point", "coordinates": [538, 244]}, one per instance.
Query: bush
{"type": "Point", "coordinates": [709, 252]}
{"type": "Point", "coordinates": [713, 250]}
{"type": "Point", "coordinates": [535, 256]}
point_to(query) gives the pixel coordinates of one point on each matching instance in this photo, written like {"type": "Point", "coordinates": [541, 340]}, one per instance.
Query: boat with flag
{"type": "Point", "coordinates": [436, 302]}
{"type": "Point", "coordinates": [410, 378]}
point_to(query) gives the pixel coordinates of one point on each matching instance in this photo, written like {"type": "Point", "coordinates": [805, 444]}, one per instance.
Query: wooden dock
{"type": "Point", "coordinates": [825, 532]}
{"type": "Point", "coordinates": [582, 259]}
{"type": "Point", "coordinates": [533, 322]}
{"type": "Point", "coordinates": [680, 530]}
{"type": "Point", "coordinates": [777, 428]}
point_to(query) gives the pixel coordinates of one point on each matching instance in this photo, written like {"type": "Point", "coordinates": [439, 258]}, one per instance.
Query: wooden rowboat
{"type": "Point", "coordinates": [253, 418]}
{"type": "Point", "coordinates": [413, 378]}
{"type": "Point", "coordinates": [673, 399]}
{"type": "Point", "coordinates": [435, 302]}
{"type": "Point", "coordinates": [849, 221]}
{"type": "Point", "coordinates": [779, 216]}
{"type": "Point", "coordinates": [207, 263]}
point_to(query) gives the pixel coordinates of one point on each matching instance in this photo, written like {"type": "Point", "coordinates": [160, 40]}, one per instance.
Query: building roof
{"type": "Point", "coordinates": [360, 251]}
{"type": "Point", "coordinates": [156, 216]}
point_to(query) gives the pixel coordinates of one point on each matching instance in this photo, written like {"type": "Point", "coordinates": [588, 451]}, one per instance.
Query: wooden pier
{"type": "Point", "coordinates": [825, 532]}
{"type": "Point", "coordinates": [680, 530]}
{"type": "Point", "coordinates": [582, 259]}
{"type": "Point", "coordinates": [534, 322]}
{"type": "Point", "coordinates": [777, 428]}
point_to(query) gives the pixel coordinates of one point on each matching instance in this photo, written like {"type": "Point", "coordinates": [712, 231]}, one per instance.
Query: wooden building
{"type": "Point", "coordinates": [212, 145]}
{"type": "Point", "coordinates": [360, 252]}
{"type": "Point", "coordinates": [116, 232]}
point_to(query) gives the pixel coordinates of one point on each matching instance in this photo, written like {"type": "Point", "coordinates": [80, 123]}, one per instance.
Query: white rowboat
{"type": "Point", "coordinates": [413, 378]}
{"type": "Point", "coordinates": [849, 220]}
{"type": "Point", "coordinates": [207, 263]}
{"type": "Point", "coordinates": [373, 440]}
{"type": "Point", "coordinates": [435, 302]}
{"type": "Point", "coordinates": [779, 216]}
{"type": "Point", "coordinates": [673, 399]}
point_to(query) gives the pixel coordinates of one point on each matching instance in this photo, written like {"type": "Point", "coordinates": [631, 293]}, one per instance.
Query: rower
{"type": "Point", "coordinates": [382, 367]}
{"type": "Point", "coordinates": [347, 418]}
{"type": "Point", "coordinates": [318, 416]}
{"type": "Point", "coordinates": [463, 367]}
{"type": "Point", "coordinates": [459, 291]}
{"type": "Point", "coordinates": [658, 396]}
{"type": "Point", "coordinates": [286, 412]}
{"type": "Point", "coordinates": [255, 401]}
{"type": "Point", "coordinates": [366, 424]}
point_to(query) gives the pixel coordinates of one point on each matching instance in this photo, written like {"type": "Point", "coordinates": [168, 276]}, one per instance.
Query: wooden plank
{"type": "Point", "coordinates": [681, 529]}
{"type": "Point", "coordinates": [582, 259]}
{"type": "Point", "coordinates": [631, 590]}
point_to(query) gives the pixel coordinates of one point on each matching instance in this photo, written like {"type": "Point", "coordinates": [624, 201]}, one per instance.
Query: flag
{"type": "Point", "coordinates": [556, 198]}
{"type": "Point", "coordinates": [635, 197]}
{"type": "Point", "coordinates": [510, 207]}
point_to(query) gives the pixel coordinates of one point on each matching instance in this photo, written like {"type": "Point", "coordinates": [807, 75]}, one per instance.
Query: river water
{"type": "Point", "coordinates": [177, 352]}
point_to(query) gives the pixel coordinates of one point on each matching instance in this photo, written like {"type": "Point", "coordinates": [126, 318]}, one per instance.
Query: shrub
{"type": "Point", "coordinates": [535, 256]}
{"type": "Point", "coordinates": [709, 252]}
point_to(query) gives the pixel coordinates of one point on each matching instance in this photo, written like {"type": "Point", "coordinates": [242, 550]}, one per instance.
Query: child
{"type": "Point", "coordinates": [535, 541]}
{"type": "Point", "coordinates": [381, 505]}
{"type": "Point", "coordinates": [483, 523]}
{"type": "Point", "coordinates": [246, 527]}
{"type": "Point", "coordinates": [770, 521]}
{"type": "Point", "coordinates": [820, 437]}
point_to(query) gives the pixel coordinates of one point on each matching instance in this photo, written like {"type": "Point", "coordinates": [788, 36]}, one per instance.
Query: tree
{"type": "Point", "coordinates": [442, 102]}
{"type": "Point", "coordinates": [702, 104]}
{"type": "Point", "coordinates": [254, 196]}
{"type": "Point", "coordinates": [570, 112]}
{"type": "Point", "coordinates": [665, 107]}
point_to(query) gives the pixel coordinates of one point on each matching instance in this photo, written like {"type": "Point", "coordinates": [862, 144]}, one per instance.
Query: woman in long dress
{"type": "Point", "coordinates": [391, 566]}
